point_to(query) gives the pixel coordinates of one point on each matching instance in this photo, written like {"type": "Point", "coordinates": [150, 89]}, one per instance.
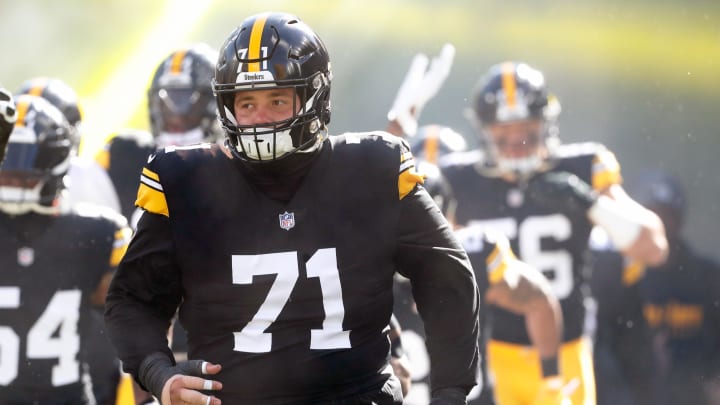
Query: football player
{"type": "Point", "coordinates": [8, 115]}
{"type": "Point", "coordinates": [545, 197]}
{"type": "Point", "coordinates": [280, 247]}
{"type": "Point", "coordinates": [682, 299]}
{"type": "Point", "coordinates": [87, 183]}
{"type": "Point", "coordinates": [56, 261]}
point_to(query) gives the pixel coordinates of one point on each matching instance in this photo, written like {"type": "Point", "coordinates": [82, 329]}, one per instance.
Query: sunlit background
{"type": "Point", "coordinates": [643, 77]}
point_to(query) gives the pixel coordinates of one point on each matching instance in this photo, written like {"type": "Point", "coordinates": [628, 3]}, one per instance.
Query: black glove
{"type": "Point", "coordinates": [449, 396]}
{"type": "Point", "coordinates": [157, 368]}
{"type": "Point", "coordinates": [8, 115]}
{"type": "Point", "coordinates": [562, 191]}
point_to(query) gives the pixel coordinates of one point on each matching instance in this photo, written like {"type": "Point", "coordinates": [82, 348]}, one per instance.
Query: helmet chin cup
{"type": "Point", "coordinates": [265, 144]}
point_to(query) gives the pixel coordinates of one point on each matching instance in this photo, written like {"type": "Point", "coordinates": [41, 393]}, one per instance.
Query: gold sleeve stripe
{"type": "Point", "coordinates": [176, 64]}
{"type": "Point", "coordinates": [405, 156]}
{"type": "Point", "coordinates": [122, 240]}
{"type": "Point", "coordinates": [498, 261]}
{"type": "Point", "coordinates": [605, 171]}
{"type": "Point", "coordinates": [632, 273]}
{"type": "Point", "coordinates": [508, 83]}
{"type": "Point", "coordinates": [152, 200]}
{"type": "Point", "coordinates": [407, 164]}
{"type": "Point", "coordinates": [407, 181]}
{"type": "Point", "coordinates": [255, 42]}
{"type": "Point", "coordinates": [150, 174]}
{"type": "Point", "coordinates": [103, 159]}
{"type": "Point", "coordinates": [150, 194]}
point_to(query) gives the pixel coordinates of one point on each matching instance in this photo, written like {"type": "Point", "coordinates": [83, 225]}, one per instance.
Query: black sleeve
{"type": "Point", "coordinates": [444, 289]}
{"type": "Point", "coordinates": [144, 294]}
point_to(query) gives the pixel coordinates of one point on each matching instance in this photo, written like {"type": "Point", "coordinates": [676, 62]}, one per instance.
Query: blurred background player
{"type": "Point", "coordinates": [182, 111]}
{"type": "Point", "coordinates": [625, 364]}
{"type": "Point", "coordinates": [57, 261]}
{"type": "Point", "coordinates": [89, 183]}
{"type": "Point", "coordinates": [682, 301]}
{"type": "Point", "coordinates": [545, 197]}
{"type": "Point", "coordinates": [8, 115]}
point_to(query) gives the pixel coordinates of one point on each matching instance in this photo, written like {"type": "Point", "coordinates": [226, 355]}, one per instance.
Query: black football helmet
{"type": "Point", "coordinates": [8, 115]}
{"type": "Point", "coordinates": [62, 96]}
{"type": "Point", "coordinates": [431, 142]}
{"type": "Point", "coordinates": [274, 50]}
{"type": "Point", "coordinates": [515, 92]}
{"type": "Point", "coordinates": [180, 98]}
{"type": "Point", "coordinates": [38, 157]}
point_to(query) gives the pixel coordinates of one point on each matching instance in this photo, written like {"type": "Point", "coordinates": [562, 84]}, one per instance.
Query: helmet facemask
{"type": "Point", "coordinates": [271, 141]}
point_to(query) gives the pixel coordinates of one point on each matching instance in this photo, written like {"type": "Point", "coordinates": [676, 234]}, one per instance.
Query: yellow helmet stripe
{"type": "Point", "coordinates": [255, 42]}
{"type": "Point", "coordinates": [508, 83]}
{"type": "Point", "coordinates": [176, 64]}
{"type": "Point", "coordinates": [38, 86]}
{"type": "Point", "coordinates": [22, 108]}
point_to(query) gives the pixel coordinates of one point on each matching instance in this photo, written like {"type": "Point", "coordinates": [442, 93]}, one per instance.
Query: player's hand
{"type": "Point", "coordinates": [554, 391]}
{"type": "Point", "coordinates": [562, 191]}
{"type": "Point", "coordinates": [8, 115]}
{"type": "Point", "coordinates": [448, 396]}
{"type": "Point", "coordinates": [181, 383]}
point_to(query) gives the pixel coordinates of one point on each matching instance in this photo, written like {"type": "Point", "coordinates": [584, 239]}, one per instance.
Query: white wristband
{"type": "Point", "coordinates": [622, 225]}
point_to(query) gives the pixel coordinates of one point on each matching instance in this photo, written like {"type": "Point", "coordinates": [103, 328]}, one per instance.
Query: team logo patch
{"type": "Point", "coordinates": [25, 256]}
{"type": "Point", "coordinates": [287, 220]}
{"type": "Point", "coordinates": [515, 197]}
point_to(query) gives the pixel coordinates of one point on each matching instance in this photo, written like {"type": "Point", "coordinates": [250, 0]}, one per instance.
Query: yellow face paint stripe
{"type": "Point", "coordinates": [508, 83]}
{"type": "Point", "coordinates": [255, 42]}
{"type": "Point", "coordinates": [176, 64]}
{"type": "Point", "coordinates": [22, 108]}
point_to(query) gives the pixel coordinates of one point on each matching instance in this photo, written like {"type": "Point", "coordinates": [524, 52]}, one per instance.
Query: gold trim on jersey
{"type": "Point", "coordinates": [680, 318]}
{"type": "Point", "coordinates": [150, 194]}
{"type": "Point", "coordinates": [408, 177]}
{"type": "Point", "coordinates": [632, 273]}
{"type": "Point", "coordinates": [605, 171]}
{"type": "Point", "coordinates": [102, 158]}
{"type": "Point", "coordinates": [176, 64]}
{"type": "Point", "coordinates": [122, 240]}
{"type": "Point", "coordinates": [255, 42]}
{"type": "Point", "coordinates": [508, 83]}
{"type": "Point", "coordinates": [498, 262]}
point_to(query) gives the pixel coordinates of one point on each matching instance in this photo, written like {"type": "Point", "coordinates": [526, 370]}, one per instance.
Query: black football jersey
{"type": "Point", "coordinates": [50, 266]}
{"type": "Point", "coordinates": [490, 256]}
{"type": "Point", "coordinates": [293, 299]}
{"type": "Point", "coordinates": [549, 239]}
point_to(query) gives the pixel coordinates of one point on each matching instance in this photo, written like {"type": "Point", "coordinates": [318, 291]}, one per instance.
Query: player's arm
{"type": "Point", "coordinates": [525, 291]}
{"type": "Point", "coordinates": [636, 231]}
{"type": "Point", "coordinates": [445, 292]}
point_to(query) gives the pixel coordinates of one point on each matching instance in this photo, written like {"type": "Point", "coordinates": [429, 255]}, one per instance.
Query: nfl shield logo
{"type": "Point", "coordinates": [25, 256]}
{"type": "Point", "coordinates": [287, 220]}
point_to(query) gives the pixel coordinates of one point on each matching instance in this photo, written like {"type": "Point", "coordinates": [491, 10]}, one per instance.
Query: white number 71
{"type": "Point", "coordinates": [323, 265]}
